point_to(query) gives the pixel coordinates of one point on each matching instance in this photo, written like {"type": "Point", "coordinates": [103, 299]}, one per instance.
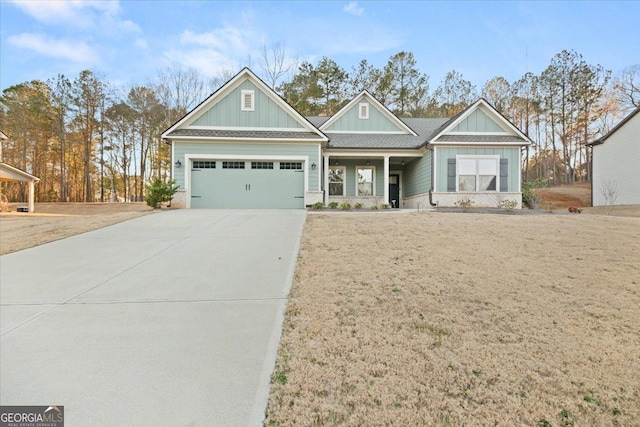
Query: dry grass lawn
{"type": "Point", "coordinates": [462, 319]}
{"type": "Point", "coordinates": [54, 221]}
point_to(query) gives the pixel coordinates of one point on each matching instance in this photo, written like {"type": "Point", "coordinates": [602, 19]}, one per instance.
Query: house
{"type": "Point", "coordinates": [245, 147]}
{"type": "Point", "coordinates": [615, 164]}
{"type": "Point", "coordinates": [9, 173]}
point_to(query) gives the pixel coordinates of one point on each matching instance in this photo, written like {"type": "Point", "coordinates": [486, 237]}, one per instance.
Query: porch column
{"type": "Point", "coordinates": [386, 180]}
{"type": "Point", "coordinates": [31, 196]}
{"type": "Point", "coordinates": [325, 184]}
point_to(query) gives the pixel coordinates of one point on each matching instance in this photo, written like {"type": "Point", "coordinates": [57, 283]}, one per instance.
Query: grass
{"type": "Point", "coordinates": [450, 319]}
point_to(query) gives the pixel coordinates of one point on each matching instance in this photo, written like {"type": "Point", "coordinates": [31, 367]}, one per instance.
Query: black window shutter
{"type": "Point", "coordinates": [451, 175]}
{"type": "Point", "coordinates": [504, 175]}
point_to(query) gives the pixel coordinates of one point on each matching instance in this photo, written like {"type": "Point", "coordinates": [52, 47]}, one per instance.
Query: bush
{"type": "Point", "coordinates": [385, 206]}
{"type": "Point", "coordinates": [358, 205]}
{"type": "Point", "coordinates": [508, 204]}
{"type": "Point", "coordinates": [345, 206]}
{"type": "Point", "coordinates": [374, 208]}
{"type": "Point", "coordinates": [529, 199]}
{"type": "Point", "coordinates": [333, 205]}
{"type": "Point", "coordinates": [464, 203]}
{"type": "Point", "coordinates": [159, 191]}
{"type": "Point", "coordinates": [317, 205]}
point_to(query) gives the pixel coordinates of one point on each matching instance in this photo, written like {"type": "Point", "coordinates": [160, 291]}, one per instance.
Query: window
{"type": "Point", "coordinates": [291, 165]}
{"type": "Point", "coordinates": [364, 186]}
{"type": "Point", "coordinates": [336, 180]}
{"type": "Point", "coordinates": [478, 173]}
{"type": "Point", "coordinates": [232, 165]}
{"type": "Point", "coordinates": [261, 165]}
{"type": "Point", "coordinates": [363, 110]}
{"type": "Point", "coordinates": [204, 164]}
{"type": "Point", "coordinates": [247, 100]}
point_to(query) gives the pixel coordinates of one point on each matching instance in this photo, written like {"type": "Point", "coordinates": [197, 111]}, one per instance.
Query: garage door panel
{"type": "Point", "coordinates": [247, 188]}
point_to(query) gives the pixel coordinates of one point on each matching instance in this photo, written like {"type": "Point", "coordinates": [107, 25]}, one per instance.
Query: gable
{"type": "Point", "coordinates": [478, 121]}
{"type": "Point", "coordinates": [244, 108]}
{"type": "Point", "coordinates": [375, 121]}
{"type": "Point", "coordinates": [228, 112]}
{"type": "Point", "coordinates": [365, 114]}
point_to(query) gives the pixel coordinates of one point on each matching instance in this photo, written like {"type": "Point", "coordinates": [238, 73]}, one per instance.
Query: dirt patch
{"type": "Point", "coordinates": [462, 319]}
{"type": "Point", "coordinates": [54, 221]}
{"type": "Point", "coordinates": [564, 196]}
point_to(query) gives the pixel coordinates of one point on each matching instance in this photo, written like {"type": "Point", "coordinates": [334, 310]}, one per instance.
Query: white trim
{"type": "Point", "coordinates": [242, 157]}
{"type": "Point", "coordinates": [373, 177]}
{"type": "Point", "coordinates": [241, 140]}
{"type": "Point", "coordinates": [368, 132]}
{"type": "Point", "coordinates": [252, 100]}
{"type": "Point", "coordinates": [480, 133]}
{"type": "Point", "coordinates": [245, 129]}
{"type": "Point", "coordinates": [495, 157]}
{"type": "Point", "coordinates": [375, 153]}
{"type": "Point", "coordinates": [363, 110]}
{"type": "Point", "coordinates": [379, 106]}
{"type": "Point", "coordinates": [344, 181]}
{"type": "Point", "coordinates": [483, 144]}
{"type": "Point", "coordinates": [434, 164]}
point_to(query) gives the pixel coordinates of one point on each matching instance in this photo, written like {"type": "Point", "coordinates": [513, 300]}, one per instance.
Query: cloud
{"type": "Point", "coordinates": [353, 8]}
{"type": "Point", "coordinates": [226, 38]}
{"type": "Point", "coordinates": [39, 43]}
{"type": "Point", "coordinates": [141, 44]}
{"type": "Point", "coordinates": [86, 15]}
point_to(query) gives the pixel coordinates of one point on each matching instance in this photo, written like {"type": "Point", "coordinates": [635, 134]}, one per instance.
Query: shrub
{"type": "Point", "coordinates": [333, 205]}
{"type": "Point", "coordinates": [159, 191]}
{"type": "Point", "coordinates": [345, 206]}
{"type": "Point", "coordinates": [317, 205]}
{"type": "Point", "coordinates": [464, 203]}
{"type": "Point", "coordinates": [358, 205]}
{"type": "Point", "coordinates": [385, 206]}
{"type": "Point", "coordinates": [374, 208]}
{"type": "Point", "coordinates": [508, 204]}
{"type": "Point", "coordinates": [529, 199]}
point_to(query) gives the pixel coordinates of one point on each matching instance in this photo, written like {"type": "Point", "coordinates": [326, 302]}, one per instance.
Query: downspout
{"type": "Point", "coordinates": [433, 161]}
{"type": "Point", "coordinates": [168, 142]}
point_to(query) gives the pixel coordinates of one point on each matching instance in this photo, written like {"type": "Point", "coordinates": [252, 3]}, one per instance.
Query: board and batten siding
{"type": "Point", "coordinates": [510, 153]}
{"type": "Point", "coordinates": [227, 112]}
{"type": "Point", "coordinates": [417, 176]}
{"type": "Point", "coordinates": [245, 151]}
{"type": "Point", "coordinates": [377, 122]}
{"type": "Point", "coordinates": [618, 160]}
{"type": "Point", "coordinates": [478, 121]}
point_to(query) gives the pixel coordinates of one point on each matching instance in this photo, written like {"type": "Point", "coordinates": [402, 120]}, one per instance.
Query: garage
{"type": "Point", "coordinates": [242, 184]}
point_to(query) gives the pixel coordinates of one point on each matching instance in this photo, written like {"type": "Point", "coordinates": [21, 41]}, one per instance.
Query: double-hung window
{"type": "Point", "coordinates": [477, 173]}
{"type": "Point", "coordinates": [336, 180]}
{"type": "Point", "coordinates": [365, 181]}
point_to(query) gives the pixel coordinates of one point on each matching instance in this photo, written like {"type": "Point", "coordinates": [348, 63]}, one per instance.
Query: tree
{"type": "Point", "coordinates": [60, 103]}
{"type": "Point", "coordinates": [120, 119]}
{"type": "Point", "coordinates": [627, 86]}
{"type": "Point", "coordinates": [497, 92]}
{"type": "Point", "coordinates": [274, 63]}
{"type": "Point", "coordinates": [331, 79]}
{"type": "Point", "coordinates": [303, 91]}
{"type": "Point", "coordinates": [159, 191]}
{"type": "Point", "coordinates": [453, 95]}
{"type": "Point", "coordinates": [407, 86]}
{"type": "Point", "coordinates": [87, 97]}
{"type": "Point", "coordinates": [363, 77]}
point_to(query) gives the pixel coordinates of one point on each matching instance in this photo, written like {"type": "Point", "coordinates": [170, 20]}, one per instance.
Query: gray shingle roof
{"type": "Point", "coordinates": [261, 134]}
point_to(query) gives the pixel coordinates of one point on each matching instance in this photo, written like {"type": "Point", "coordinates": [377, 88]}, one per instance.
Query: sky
{"type": "Point", "coordinates": [130, 42]}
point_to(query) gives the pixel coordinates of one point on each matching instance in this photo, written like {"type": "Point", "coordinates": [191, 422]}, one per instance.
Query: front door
{"type": "Point", "coordinates": [394, 191]}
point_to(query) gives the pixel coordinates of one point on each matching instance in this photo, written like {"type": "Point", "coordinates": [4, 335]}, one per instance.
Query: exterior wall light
{"type": "Point", "coordinates": [178, 164]}
{"type": "Point", "coordinates": [313, 166]}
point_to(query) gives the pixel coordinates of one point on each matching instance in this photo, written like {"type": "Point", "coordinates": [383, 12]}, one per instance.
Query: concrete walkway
{"type": "Point", "coordinates": [168, 319]}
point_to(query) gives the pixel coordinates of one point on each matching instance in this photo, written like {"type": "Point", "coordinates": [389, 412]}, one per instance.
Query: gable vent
{"type": "Point", "coordinates": [247, 100]}
{"type": "Point", "coordinates": [363, 110]}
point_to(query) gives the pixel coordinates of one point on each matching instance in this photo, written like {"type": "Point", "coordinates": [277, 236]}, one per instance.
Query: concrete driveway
{"type": "Point", "coordinates": [168, 319]}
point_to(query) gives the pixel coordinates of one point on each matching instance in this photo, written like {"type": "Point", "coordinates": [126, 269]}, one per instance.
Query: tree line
{"type": "Point", "coordinates": [89, 140]}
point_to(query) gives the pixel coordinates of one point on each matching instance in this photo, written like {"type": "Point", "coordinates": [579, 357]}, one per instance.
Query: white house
{"type": "Point", "coordinates": [616, 163]}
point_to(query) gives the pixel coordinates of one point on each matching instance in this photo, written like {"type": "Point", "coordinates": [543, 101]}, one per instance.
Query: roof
{"type": "Point", "coordinates": [10, 173]}
{"type": "Point", "coordinates": [251, 134]}
{"type": "Point", "coordinates": [614, 130]}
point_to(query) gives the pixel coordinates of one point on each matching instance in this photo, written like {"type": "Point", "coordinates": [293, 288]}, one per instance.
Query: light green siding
{"type": "Point", "coordinates": [510, 153]}
{"type": "Point", "coordinates": [227, 112]}
{"type": "Point", "coordinates": [246, 151]}
{"type": "Point", "coordinates": [417, 176]}
{"type": "Point", "coordinates": [377, 122]}
{"type": "Point", "coordinates": [478, 121]}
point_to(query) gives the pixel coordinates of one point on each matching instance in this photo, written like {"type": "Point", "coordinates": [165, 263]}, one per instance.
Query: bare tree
{"type": "Point", "coordinates": [627, 86]}
{"type": "Point", "coordinates": [180, 90]}
{"type": "Point", "coordinates": [609, 190]}
{"type": "Point", "coordinates": [274, 63]}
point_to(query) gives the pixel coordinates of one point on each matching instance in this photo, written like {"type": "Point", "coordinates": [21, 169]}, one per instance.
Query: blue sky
{"type": "Point", "coordinates": [129, 41]}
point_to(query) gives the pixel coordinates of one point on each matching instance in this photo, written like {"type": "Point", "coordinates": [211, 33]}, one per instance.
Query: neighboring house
{"type": "Point", "coordinates": [616, 163]}
{"type": "Point", "coordinates": [245, 147]}
{"type": "Point", "coordinates": [9, 173]}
